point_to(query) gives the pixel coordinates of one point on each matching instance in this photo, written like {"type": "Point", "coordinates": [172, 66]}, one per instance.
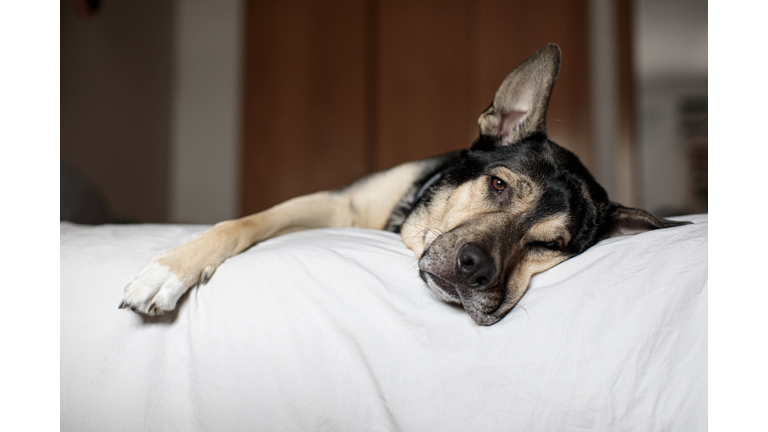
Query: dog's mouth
{"type": "Point", "coordinates": [441, 286]}
{"type": "Point", "coordinates": [481, 306]}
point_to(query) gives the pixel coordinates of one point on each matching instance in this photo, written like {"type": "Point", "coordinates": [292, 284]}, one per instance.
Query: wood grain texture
{"type": "Point", "coordinates": [338, 89]}
{"type": "Point", "coordinates": [304, 104]}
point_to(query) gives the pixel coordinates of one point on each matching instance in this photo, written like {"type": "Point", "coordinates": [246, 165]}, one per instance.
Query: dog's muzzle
{"type": "Point", "coordinates": [468, 276]}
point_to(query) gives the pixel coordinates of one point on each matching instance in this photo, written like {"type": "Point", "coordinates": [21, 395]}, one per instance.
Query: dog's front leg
{"type": "Point", "coordinates": [160, 285]}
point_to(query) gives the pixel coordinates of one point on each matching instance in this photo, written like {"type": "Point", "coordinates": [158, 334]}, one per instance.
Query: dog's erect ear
{"type": "Point", "coordinates": [520, 105]}
{"type": "Point", "coordinates": [628, 221]}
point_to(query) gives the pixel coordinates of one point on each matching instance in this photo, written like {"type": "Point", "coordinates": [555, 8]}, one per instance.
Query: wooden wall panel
{"type": "Point", "coordinates": [304, 102]}
{"type": "Point", "coordinates": [337, 89]}
{"type": "Point", "coordinates": [441, 63]}
{"type": "Point", "coordinates": [423, 76]}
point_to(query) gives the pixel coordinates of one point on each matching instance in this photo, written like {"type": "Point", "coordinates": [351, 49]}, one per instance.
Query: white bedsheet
{"type": "Point", "coordinates": [332, 330]}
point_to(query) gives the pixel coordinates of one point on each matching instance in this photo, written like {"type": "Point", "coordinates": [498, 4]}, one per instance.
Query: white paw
{"type": "Point", "coordinates": [155, 291]}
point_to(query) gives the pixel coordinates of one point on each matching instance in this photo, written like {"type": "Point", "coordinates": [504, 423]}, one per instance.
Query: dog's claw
{"type": "Point", "coordinates": [122, 305]}
{"type": "Point", "coordinates": [207, 273]}
{"type": "Point", "coordinates": [151, 307]}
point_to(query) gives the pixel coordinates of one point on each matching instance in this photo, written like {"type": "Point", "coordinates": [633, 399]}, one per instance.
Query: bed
{"type": "Point", "coordinates": [332, 330]}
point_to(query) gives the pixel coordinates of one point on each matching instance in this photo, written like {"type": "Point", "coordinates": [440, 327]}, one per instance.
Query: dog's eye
{"type": "Point", "coordinates": [498, 184]}
{"type": "Point", "coordinates": [553, 245]}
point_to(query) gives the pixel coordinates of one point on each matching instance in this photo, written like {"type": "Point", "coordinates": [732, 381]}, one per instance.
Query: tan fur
{"type": "Point", "coordinates": [527, 268]}
{"type": "Point", "coordinates": [535, 262]}
{"type": "Point", "coordinates": [376, 197]}
{"type": "Point", "coordinates": [549, 230]}
{"type": "Point", "coordinates": [366, 204]}
{"type": "Point", "coordinates": [229, 238]}
{"type": "Point", "coordinates": [450, 208]}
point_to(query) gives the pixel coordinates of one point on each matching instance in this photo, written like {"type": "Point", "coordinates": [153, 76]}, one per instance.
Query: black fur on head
{"type": "Point", "coordinates": [569, 187]}
{"type": "Point", "coordinates": [485, 220]}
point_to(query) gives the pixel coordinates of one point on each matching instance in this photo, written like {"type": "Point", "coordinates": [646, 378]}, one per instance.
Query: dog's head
{"type": "Point", "coordinates": [515, 204]}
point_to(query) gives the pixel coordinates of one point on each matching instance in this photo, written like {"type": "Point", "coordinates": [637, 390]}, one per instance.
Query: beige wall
{"type": "Point", "coordinates": [671, 45]}
{"type": "Point", "coordinates": [205, 123]}
{"type": "Point", "coordinates": [115, 102]}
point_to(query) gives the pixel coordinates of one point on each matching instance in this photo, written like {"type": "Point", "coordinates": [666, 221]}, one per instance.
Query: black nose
{"type": "Point", "coordinates": [475, 267]}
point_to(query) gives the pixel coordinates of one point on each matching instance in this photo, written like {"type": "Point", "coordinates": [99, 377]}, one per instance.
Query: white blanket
{"type": "Point", "coordinates": [332, 330]}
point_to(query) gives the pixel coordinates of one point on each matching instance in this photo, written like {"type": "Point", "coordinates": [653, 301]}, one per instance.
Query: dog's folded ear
{"type": "Point", "coordinates": [628, 221]}
{"type": "Point", "coordinates": [520, 105]}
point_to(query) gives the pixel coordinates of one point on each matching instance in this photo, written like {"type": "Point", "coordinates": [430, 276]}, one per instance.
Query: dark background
{"type": "Point", "coordinates": [193, 111]}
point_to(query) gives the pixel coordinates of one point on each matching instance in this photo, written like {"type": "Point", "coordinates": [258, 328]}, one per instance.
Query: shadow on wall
{"type": "Point", "coordinates": [116, 64]}
{"type": "Point", "coordinates": [82, 201]}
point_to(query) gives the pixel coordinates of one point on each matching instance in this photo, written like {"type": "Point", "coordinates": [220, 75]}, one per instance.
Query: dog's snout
{"type": "Point", "coordinates": [475, 267]}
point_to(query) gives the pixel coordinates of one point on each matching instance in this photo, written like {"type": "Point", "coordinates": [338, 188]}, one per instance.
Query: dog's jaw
{"type": "Point", "coordinates": [442, 287]}
{"type": "Point", "coordinates": [483, 308]}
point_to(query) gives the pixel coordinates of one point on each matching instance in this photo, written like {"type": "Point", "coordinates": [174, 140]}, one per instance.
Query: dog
{"type": "Point", "coordinates": [481, 222]}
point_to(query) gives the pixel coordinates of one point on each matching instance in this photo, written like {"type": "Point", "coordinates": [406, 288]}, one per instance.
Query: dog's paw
{"type": "Point", "coordinates": [157, 289]}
